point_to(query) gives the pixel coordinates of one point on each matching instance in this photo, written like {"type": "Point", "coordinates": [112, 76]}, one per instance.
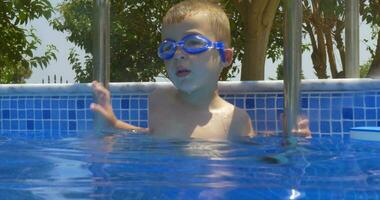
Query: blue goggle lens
{"type": "Point", "coordinates": [192, 44]}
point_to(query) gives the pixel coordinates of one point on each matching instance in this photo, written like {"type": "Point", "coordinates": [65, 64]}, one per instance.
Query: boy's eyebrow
{"type": "Point", "coordinates": [193, 32]}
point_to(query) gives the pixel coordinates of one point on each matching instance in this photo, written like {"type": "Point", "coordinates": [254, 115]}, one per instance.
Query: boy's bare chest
{"type": "Point", "coordinates": [189, 123]}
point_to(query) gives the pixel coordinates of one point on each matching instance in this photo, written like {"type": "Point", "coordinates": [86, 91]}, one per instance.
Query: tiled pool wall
{"type": "Point", "coordinates": [332, 106]}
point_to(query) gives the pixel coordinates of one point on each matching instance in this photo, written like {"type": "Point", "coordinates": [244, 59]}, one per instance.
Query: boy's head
{"type": "Point", "coordinates": [216, 16]}
{"type": "Point", "coordinates": [196, 44]}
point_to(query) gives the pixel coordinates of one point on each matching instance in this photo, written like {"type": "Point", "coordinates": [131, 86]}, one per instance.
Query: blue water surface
{"type": "Point", "coordinates": [137, 166]}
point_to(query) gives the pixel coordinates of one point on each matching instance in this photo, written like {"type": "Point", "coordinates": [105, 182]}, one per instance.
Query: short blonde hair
{"type": "Point", "coordinates": [217, 17]}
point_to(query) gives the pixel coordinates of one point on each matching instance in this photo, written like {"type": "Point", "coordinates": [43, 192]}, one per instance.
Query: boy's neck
{"type": "Point", "coordinates": [200, 98]}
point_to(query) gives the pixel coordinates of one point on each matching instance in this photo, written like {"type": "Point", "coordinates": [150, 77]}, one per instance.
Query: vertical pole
{"type": "Point", "coordinates": [101, 52]}
{"type": "Point", "coordinates": [352, 38]}
{"type": "Point", "coordinates": [101, 47]}
{"type": "Point", "coordinates": [292, 66]}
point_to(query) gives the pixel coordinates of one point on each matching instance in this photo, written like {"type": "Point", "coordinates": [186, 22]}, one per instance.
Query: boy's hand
{"type": "Point", "coordinates": [103, 106]}
{"type": "Point", "coordinates": [303, 128]}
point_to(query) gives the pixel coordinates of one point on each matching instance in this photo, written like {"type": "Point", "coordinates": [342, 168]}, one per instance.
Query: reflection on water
{"type": "Point", "coordinates": [142, 167]}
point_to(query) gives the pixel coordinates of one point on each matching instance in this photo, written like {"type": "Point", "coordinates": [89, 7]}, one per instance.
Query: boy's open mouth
{"type": "Point", "coordinates": [182, 72]}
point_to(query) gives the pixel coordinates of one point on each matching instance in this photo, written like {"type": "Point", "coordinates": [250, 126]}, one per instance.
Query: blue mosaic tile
{"type": "Point", "coordinates": [46, 114]}
{"type": "Point", "coordinates": [38, 125]}
{"type": "Point", "coordinates": [359, 113]}
{"type": "Point", "coordinates": [143, 103]}
{"type": "Point", "coordinates": [324, 103]}
{"type": "Point", "coordinates": [54, 104]}
{"type": "Point", "coordinates": [81, 114]}
{"type": "Point", "coordinates": [72, 125]}
{"type": "Point", "coordinates": [63, 114]}
{"type": "Point", "coordinates": [80, 104]}
{"type": "Point", "coordinates": [260, 103]}
{"type": "Point", "coordinates": [371, 123]}
{"type": "Point", "coordinates": [314, 103]}
{"type": "Point", "coordinates": [5, 104]}
{"type": "Point", "coordinates": [347, 125]}
{"type": "Point", "coordinates": [37, 103]}
{"type": "Point", "coordinates": [143, 115]}
{"type": "Point", "coordinates": [271, 115]}
{"type": "Point", "coordinates": [270, 103]}
{"type": "Point", "coordinates": [6, 114]}
{"type": "Point", "coordinates": [125, 114]}
{"type": "Point", "coordinates": [38, 114]}
{"type": "Point", "coordinates": [260, 114]}
{"type": "Point", "coordinates": [46, 104]}
{"type": "Point", "coordinates": [134, 115]}
{"type": "Point", "coordinates": [304, 103]}
{"type": "Point", "coordinates": [325, 127]}
{"type": "Point", "coordinates": [314, 114]}
{"type": "Point", "coordinates": [13, 114]}
{"type": "Point", "coordinates": [134, 103]}
{"type": "Point", "coordinates": [47, 125]}
{"type": "Point", "coordinates": [30, 114]}
{"type": "Point", "coordinates": [280, 103]}
{"type": "Point", "coordinates": [13, 105]}
{"type": "Point", "coordinates": [347, 102]}
{"type": "Point", "coordinates": [63, 103]}
{"type": "Point", "coordinates": [370, 113]}
{"type": "Point", "coordinates": [358, 100]}
{"type": "Point", "coordinates": [325, 114]}
{"type": "Point", "coordinates": [22, 114]}
{"type": "Point", "coordinates": [22, 125]}
{"type": "Point", "coordinates": [71, 104]}
{"type": "Point", "coordinates": [72, 115]}
{"type": "Point", "coordinates": [55, 125]}
{"type": "Point", "coordinates": [21, 104]}
{"type": "Point", "coordinates": [336, 127]}
{"type": "Point", "coordinates": [251, 114]}
{"type": "Point", "coordinates": [14, 125]}
{"type": "Point", "coordinates": [347, 113]}
{"type": "Point", "coordinates": [134, 123]}
{"type": "Point", "coordinates": [143, 124]}
{"type": "Point", "coordinates": [63, 126]}
{"type": "Point", "coordinates": [370, 101]}
{"type": "Point", "coordinates": [6, 124]}
{"type": "Point", "coordinates": [125, 103]}
{"type": "Point", "coordinates": [359, 123]}
{"type": "Point", "coordinates": [239, 103]}
{"type": "Point", "coordinates": [230, 100]}
{"type": "Point", "coordinates": [249, 103]}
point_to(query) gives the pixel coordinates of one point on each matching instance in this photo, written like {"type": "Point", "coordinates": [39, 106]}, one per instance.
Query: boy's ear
{"type": "Point", "coordinates": [229, 55]}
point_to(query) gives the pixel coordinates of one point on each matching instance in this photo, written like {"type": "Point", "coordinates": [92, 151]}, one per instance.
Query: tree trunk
{"type": "Point", "coordinates": [330, 53]}
{"type": "Point", "coordinates": [374, 69]}
{"type": "Point", "coordinates": [339, 44]}
{"type": "Point", "coordinates": [257, 16]}
{"type": "Point", "coordinates": [318, 56]}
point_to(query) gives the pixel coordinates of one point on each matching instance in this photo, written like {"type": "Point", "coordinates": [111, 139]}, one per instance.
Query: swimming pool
{"type": "Point", "coordinates": [48, 151]}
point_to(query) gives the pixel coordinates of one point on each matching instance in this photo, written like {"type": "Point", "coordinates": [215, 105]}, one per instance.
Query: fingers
{"type": "Point", "coordinates": [98, 88]}
{"type": "Point", "coordinates": [97, 108]}
{"type": "Point", "coordinates": [102, 94]}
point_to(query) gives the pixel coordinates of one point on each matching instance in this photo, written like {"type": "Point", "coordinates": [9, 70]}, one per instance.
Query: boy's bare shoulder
{"type": "Point", "coordinates": [241, 123]}
{"type": "Point", "coordinates": [160, 93]}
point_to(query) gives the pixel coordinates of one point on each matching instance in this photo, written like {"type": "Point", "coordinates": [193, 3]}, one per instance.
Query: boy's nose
{"type": "Point", "coordinates": [179, 54]}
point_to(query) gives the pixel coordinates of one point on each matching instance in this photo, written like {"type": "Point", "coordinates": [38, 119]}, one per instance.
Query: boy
{"type": "Point", "coordinates": [195, 49]}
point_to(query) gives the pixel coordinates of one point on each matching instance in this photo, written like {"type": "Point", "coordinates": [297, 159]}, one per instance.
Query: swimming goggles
{"type": "Point", "coordinates": [192, 44]}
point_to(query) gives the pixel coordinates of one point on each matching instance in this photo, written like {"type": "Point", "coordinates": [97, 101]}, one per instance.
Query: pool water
{"type": "Point", "coordinates": [136, 166]}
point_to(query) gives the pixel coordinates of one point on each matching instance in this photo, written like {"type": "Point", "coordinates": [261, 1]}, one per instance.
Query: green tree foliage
{"type": "Point", "coordinates": [134, 38]}
{"type": "Point", "coordinates": [17, 43]}
{"type": "Point", "coordinates": [370, 11]}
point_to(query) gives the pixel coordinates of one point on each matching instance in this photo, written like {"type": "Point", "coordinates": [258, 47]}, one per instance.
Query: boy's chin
{"type": "Point", "coordinates": [186, 87]}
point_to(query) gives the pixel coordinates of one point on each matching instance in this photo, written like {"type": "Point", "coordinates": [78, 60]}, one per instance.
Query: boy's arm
{"type": "Point", "coordinates": [241, 124]}
{"type": "Point", "coordinates": [104, 107]}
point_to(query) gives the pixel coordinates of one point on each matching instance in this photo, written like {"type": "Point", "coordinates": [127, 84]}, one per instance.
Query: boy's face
{"type": "Point", "coordinates": [190, 72]}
